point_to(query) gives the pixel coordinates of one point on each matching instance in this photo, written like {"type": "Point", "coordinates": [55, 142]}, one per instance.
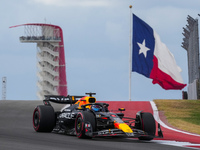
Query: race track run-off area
{"type": "Point", "coordinates": [172, 136]}
{"type": "Point", "coordinates": [17, 133]}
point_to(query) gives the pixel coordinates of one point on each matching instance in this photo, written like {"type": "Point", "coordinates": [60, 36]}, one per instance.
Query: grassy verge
{"type": "Point", "coordinates": [182, 114]}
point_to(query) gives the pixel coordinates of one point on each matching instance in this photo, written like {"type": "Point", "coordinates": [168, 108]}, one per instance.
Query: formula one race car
{"type": "Point", "coordinates": [86, 119]}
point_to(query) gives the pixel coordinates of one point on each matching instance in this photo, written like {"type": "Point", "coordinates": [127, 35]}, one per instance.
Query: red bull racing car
{"type": "Point", "coordinates": [86, 118]}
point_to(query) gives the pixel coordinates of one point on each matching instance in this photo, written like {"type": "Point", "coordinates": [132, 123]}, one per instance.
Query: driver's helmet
{"type": "Point", "coordinates": [95, 108]}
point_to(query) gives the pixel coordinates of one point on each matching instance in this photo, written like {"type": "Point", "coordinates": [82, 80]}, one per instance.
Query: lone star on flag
{"type": "Point", "coordinates": [143, 48]}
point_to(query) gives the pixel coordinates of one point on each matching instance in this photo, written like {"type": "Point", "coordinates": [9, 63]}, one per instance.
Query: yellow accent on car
{"type": "Point", "coordinates": [121, 109]}
{"type": "Point", "coordinates": [86, 100]}
{"type": "Point", "coordinates": [125, 128]}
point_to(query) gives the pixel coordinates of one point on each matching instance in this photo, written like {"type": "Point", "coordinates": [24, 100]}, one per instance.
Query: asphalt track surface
{"type": "Point", "coordinates": [17, 133]}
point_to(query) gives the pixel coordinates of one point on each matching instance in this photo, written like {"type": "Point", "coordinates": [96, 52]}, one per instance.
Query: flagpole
{"type": "Point", "coordinates": [130, 52]}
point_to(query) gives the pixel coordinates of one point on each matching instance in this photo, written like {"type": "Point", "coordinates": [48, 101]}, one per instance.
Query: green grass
{"type": "Point", "coordinates": [195, 118]}
{"type": "Point", "coordinates": [182, 114]}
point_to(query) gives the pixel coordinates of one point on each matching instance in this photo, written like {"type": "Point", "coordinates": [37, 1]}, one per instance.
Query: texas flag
{"type": "Point", "coordinates": [151, 57]}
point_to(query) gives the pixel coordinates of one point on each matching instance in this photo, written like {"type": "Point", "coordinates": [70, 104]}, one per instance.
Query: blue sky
{"type": "Point", "coordinates": [96, 41]}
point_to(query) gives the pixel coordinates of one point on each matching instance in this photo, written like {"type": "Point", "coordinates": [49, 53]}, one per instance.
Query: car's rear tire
{"type": "Point", "coordinates": [43, 118]}
{"type": "Point", "coordinates": [148, 125]}
{"type": "Point", "coordinates": [80, 121]}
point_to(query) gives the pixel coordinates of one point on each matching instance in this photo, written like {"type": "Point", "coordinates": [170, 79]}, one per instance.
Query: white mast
{"type": "Point", "coordinates": [130, 52]}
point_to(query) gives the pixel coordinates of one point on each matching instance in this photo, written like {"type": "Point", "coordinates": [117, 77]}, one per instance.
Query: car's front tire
{"type": "Point", "coordinates": [80, 121]}
{"type": "Point", "coordinates": [148, 125]}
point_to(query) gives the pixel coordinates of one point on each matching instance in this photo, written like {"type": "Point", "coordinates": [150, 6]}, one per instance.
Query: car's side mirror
{"type": "Point", "coordinates": [121, 109]}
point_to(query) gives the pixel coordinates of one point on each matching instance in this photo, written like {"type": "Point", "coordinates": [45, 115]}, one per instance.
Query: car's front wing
{"type": "Point", "coordinates": [116, 132]}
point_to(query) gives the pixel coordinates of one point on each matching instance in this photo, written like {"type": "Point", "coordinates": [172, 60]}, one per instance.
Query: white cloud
{"type": "Point", "coordinates": [78, 3]}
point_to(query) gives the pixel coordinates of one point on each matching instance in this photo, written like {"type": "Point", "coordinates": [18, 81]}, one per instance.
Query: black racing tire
{"type": "Point", "coordinates": [43, 118]}
{"type": "Point", "coordinates": [81, 119]}
{"type": "Point", "coordinates": [148, 125]}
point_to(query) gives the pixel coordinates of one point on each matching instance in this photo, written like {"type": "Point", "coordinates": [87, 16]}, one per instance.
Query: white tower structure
{"type": "Point", "coordinates": [51, 60]}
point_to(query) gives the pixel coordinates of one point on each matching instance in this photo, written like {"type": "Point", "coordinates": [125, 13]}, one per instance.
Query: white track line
{"type": "Point", "coordinates": [173, 143]}
{"type": "Point", "coordinates": [157, 118]}
{"type": "Point", "coordinates": [179, 144]}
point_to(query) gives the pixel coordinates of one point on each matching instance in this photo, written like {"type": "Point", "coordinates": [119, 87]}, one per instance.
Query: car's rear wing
{"type": "Point", "coordinates": [61, 99]}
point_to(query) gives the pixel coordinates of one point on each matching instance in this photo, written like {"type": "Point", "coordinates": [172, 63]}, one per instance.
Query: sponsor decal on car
{"type": "Point", "coordinates": [67, 115]}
